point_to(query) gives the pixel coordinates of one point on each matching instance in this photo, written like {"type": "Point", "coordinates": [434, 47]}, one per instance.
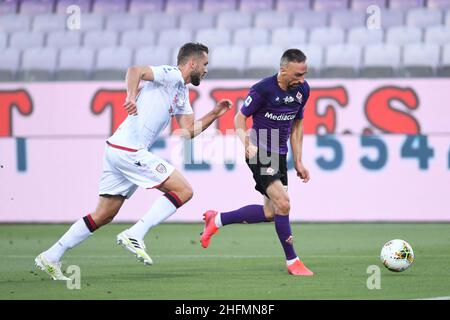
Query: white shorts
{"type": "Point", "coordinates": [125, 171]}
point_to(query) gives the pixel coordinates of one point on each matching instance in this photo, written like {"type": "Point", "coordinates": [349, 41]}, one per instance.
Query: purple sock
{"type": "Point", "coordinates": [248, 214]}
{"type": "Point", "coordinates": [283, 228]}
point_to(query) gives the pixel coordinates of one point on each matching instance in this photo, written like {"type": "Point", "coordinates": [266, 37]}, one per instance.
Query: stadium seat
{"type": "Point", "coordinates": [32, 7]}
{"type": "Point", "coordinates": [363, 36]}
{"type": "Point", "coordinates": [3, 40]}
{"type": "Point", "coordinates": [364, 4]}
{"type": "Point", "coordinates": [226, 62]}
{"type": "Point", "coordinates": [92, 22]}
{"type": "Point", "coordinates": [347, 19]}
{"type": "Point", "coordinates": [420, 60]}
{"type": "Point", "coordinates": [293, 6]}
{"type": "Point", "coordinates": [214, 37]}
{"type": "Point", "coordinates": [287, 37]}
{"type": "Point", "coordinates": [62, 5]}
{"type": "Point", "coordinates": [406, 4]}
{"type": "Point", "coordinates": [314, 58]}
{"type": "Point", "coordinates": [380, 60]}
{"type": "Point", "coordinates": [120, 22]}
{"type": "Point", "coordinates": [342, 61]}
{"type": "Point", "coordinates": [14, 23]}
{"type": "Point", "coordinates": [159, 21]}
{"type": "Point", "coordinates": [437, 35]}
{"type": "Point", "coordinates": [403, 35]}
{"type": "Point", "coordinates": [38, 64]}
{"type": "Point", "coordinates": [197, 20]}
{"type": "Point", "coordinates": [75, 64]}
{"type": "Point", "coordinates": [325, 36]}
{"type": "Point", "coordinates": [256, 5]}
{"type": "Point", "coordinates": [112, 63]}
{"type": "Point", "coordinates": [108, 7]}
{"type": "Point", "coordinates": [263, 61]}
{"type": "Point", "coordinates": [145, 6]}
{"type": "Point", "coordinates": [25, 39]}
{"type": "Point", "coordinates": [438, 4]}
{"type": "Point", "coordinates": [234, 20]}
{"type": "Point", "coordinates": [444, 69]}
{"type": "Point", "coordinates": [422, 18]}
{"type": "Point", "coordinates": [447, 18]}
{"type": "Point", "coordinates": [174, 38]}
{"type": "Point", "coordinates": [48, 22]}
{"type": "Point", "coordinates": [182, 6]}
{"type": "Point", "coordinates": [9, 7]}
{"type": "Point", "coordinates": [330, 5]}
{"type": "Point", "coordinates": [250, 37]}
{"type": "Point", "coordinates": [309, 19]}
{"type": "Point", "coordinates": [137, 38]}
{"type": "Point", "coordinates": [272, 19]}
{"type": "Point", "coordinates": [217, 6]}
{"type": "Point", "coordinates": [63, 39]}
{"type": "Point", "coordinates": [100, 39]}
{"type": "Point", "coordinates": [9, 63]}
{"type": "Point", "coordinates": [152, 56]}
{"type": "Point", "coordinates": [392, 18]}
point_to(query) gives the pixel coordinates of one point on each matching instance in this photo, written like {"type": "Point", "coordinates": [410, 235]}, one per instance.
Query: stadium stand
{"type": "Point", "coordinates": [414, 33]}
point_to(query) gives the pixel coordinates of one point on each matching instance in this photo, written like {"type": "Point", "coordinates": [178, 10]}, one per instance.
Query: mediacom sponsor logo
{"type": "Point", "coordinates": [281, 117]}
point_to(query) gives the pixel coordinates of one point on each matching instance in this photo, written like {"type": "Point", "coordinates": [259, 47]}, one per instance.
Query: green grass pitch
{"type": "Point", "coordinates": [243, 262]}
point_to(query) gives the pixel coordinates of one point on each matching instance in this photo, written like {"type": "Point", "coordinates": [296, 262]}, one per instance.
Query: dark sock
{"type": "Point", "coordinates": [283, 228]}
{"type": "Point", "coordinates": [248, 214]}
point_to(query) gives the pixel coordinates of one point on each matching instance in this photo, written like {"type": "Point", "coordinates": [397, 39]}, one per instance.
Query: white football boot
{"type": "Point", "coordinates": [51, 268]}
{"type": "Point", "coordinates": [135, 246]}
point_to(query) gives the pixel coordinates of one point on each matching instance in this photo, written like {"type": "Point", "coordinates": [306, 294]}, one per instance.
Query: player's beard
{"type": "Point", "coordinates": [196, 78]}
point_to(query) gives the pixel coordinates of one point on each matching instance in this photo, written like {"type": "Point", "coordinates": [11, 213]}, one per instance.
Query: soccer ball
{"type": "Point", "coordinates": [397, 255]}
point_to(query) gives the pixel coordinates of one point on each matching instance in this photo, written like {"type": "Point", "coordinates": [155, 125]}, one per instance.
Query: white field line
{"type": "Point", "coordinates": [434, 298]}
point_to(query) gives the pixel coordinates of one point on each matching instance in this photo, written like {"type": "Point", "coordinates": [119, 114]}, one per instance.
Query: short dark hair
{"type": "Point", "coordinates": [292, 55]}
{"type": "Point", "coordinates": [190, 49]}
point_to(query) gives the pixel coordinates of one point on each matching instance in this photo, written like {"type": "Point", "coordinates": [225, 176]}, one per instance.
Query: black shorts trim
{"type": "Point", "coordinates": [112, 195]}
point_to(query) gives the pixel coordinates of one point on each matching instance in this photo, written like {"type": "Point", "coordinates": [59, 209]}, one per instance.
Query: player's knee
{"type": "Point", "coordinates": [284, 206]}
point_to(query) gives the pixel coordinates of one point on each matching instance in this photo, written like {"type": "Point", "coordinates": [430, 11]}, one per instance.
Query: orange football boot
{"type": "Point", "coordinates": [299, 269]}
{"type": "Point", "coordinates": [210, 227]}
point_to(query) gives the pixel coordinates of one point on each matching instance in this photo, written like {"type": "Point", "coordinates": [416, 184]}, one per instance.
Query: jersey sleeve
{"type": "Point", "coordinates": [301, 111]}
{"type": "Point", "coordinates": [166, 75]}
{"type": "Point", "coordinates": [252, 103]}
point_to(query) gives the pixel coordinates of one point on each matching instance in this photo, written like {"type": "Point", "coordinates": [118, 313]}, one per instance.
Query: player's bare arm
{"type": "Point", "coordinates": [241, 130]}
{"type": "Point", "coordinates": [296, 144]}
{"type": "Point", "coordinates": [134, 76]}
{"type": "Point", "coordinates": [192, 128]}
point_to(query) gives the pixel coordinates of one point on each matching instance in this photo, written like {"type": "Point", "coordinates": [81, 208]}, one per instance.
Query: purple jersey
{"type": "Point", "coordinates": [273, 111]}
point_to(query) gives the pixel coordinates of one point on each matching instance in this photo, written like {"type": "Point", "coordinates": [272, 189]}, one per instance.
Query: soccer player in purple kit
{"type": "Point", "coordinates": [277, 105]}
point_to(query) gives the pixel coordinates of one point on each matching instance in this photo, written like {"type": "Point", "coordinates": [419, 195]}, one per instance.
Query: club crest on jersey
{"type": "Point", "coordinates": [299, 97]}
{"type": "Point", "coordinates": [161, 168]}
{"type": "Point", "coordinates": [288, 99]}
